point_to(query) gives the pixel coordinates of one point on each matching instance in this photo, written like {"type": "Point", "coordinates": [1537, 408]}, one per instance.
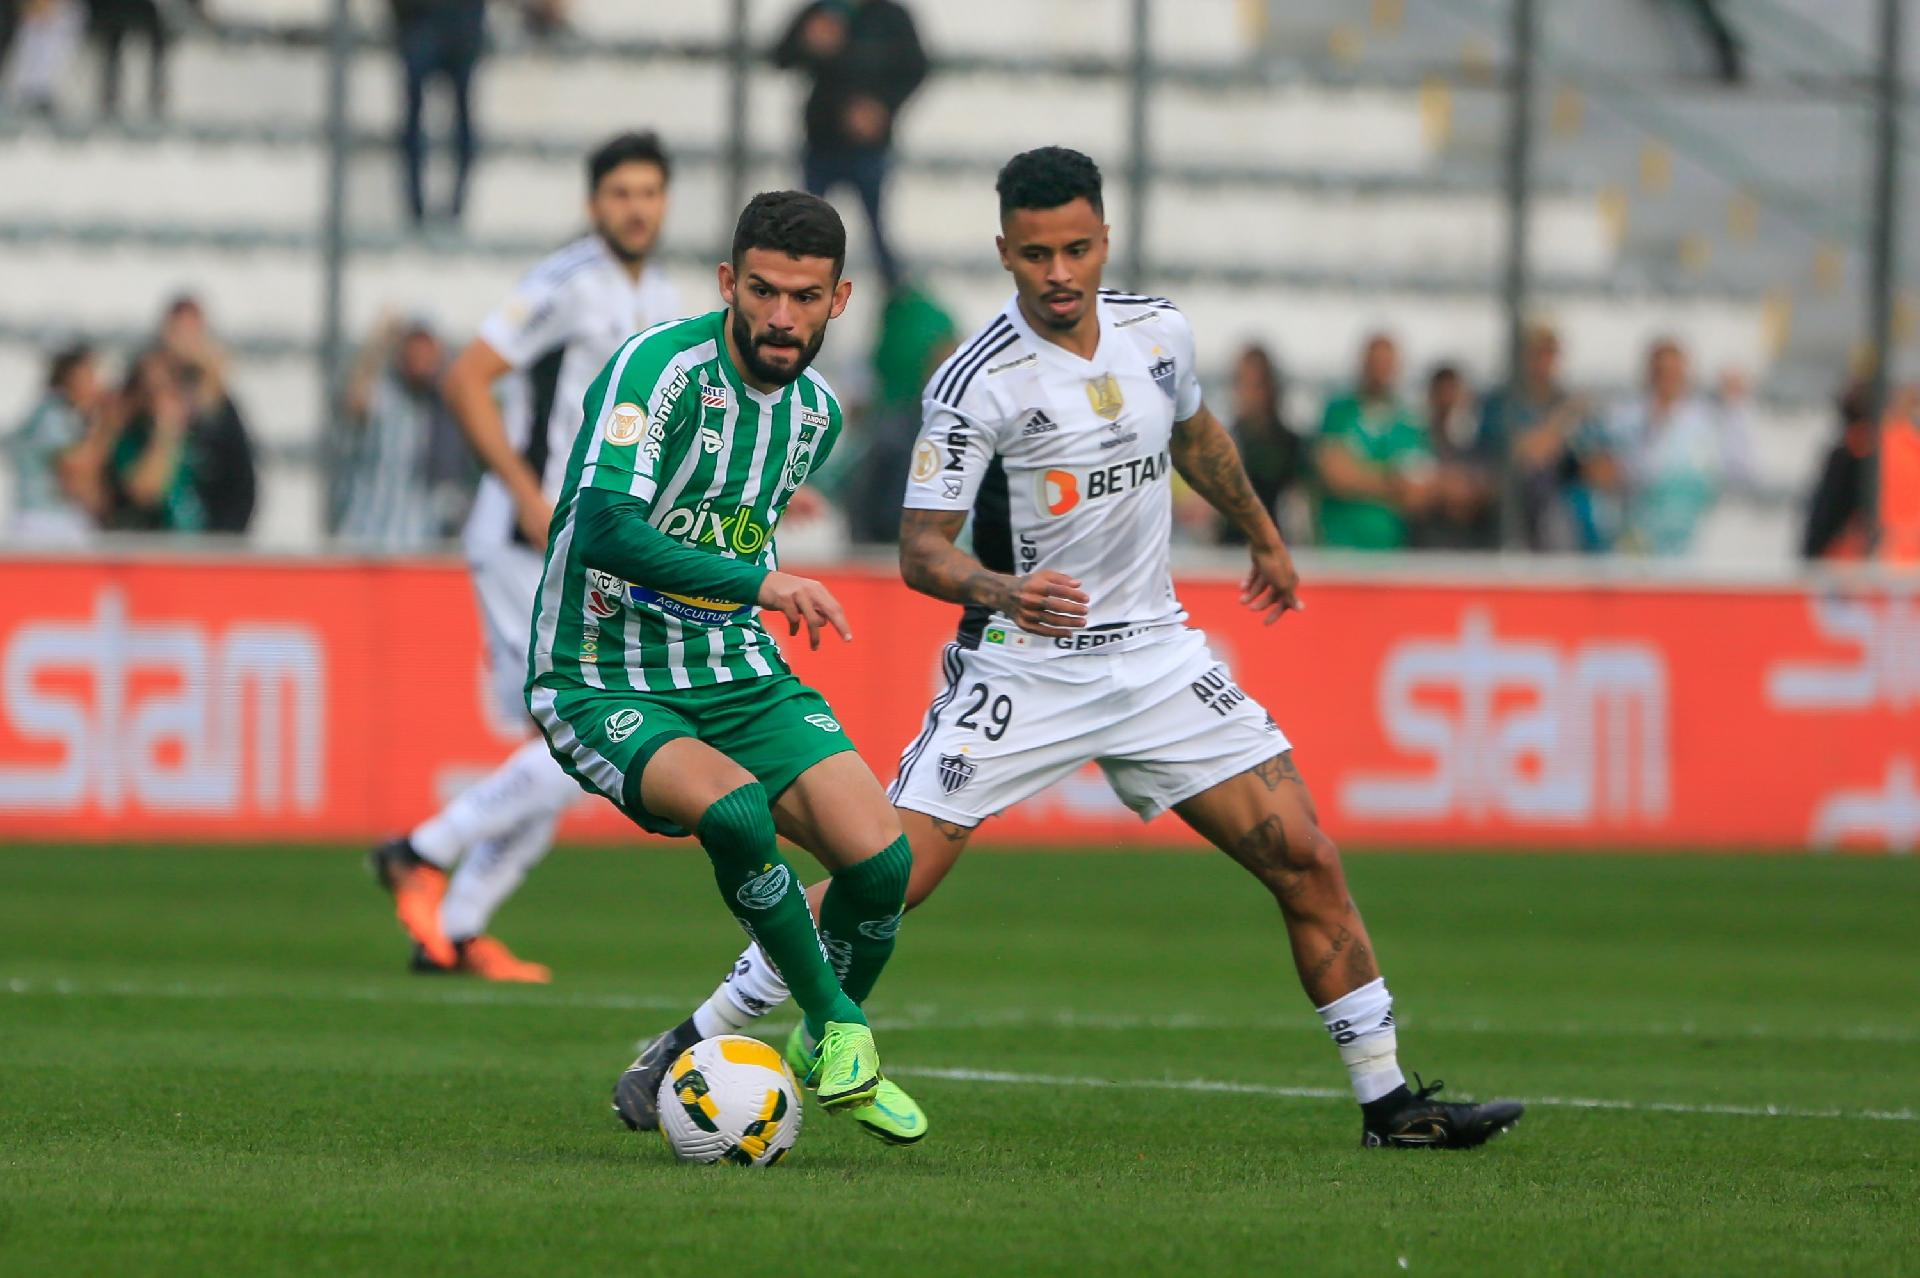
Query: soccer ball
{"type": "Point", "coordinates": [730, 1099]}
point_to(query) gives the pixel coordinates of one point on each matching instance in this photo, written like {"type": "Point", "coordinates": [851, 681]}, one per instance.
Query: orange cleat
{"type": "Point", "coordinates": [489, 959]}
{"type": "Point", "coordinates": [417, 887]}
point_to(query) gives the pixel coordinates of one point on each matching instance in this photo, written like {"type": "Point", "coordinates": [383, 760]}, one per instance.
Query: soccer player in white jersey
{"type": "Point", "coordinates": [1056, 430]}
{"type": "Point", "coordinates": [547, 343]}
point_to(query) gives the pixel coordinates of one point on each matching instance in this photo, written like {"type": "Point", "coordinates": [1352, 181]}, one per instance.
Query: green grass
{"type": "Point", "coordinates": [212, 1062]}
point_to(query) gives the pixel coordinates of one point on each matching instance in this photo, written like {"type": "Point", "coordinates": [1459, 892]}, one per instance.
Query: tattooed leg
{"type": "Point", "coordinates": [1265, 819]}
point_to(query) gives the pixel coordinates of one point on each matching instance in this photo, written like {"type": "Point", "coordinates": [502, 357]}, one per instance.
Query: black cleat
{"type": "Point", "coordinates": [636, 1096]}
{"type": "Point", "coordinates": [1422, 1123]}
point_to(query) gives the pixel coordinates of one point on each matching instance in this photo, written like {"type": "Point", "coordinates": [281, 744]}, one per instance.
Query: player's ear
{"type": "Point", "coordinates": [841, 292]}
{"type": "Point", "coordinates": [1000, 243]}
{"type": "Point", "coordinates": [726, 282]}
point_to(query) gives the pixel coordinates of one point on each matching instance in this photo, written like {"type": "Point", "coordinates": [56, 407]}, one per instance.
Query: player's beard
{"type": "Point", "coordinates": [773, 374]}
{"type": "Point", "coordinates": [627, 256]}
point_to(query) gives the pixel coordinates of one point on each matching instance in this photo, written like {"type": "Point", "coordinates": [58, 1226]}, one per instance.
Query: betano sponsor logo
{"type": "Point", "coordinates": [1058, 490]}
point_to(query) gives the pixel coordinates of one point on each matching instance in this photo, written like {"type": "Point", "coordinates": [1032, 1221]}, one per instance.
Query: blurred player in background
{"type": "Point", "coordinates": [1057, 428]}
{"type": "Point", "coordinates": [650, 671]}
{"type": "Point", "coordinates": [568, 315]}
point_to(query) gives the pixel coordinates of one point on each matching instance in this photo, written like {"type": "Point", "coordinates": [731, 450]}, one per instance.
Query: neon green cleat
{"type": "Point", "coordinates": [846, 1070]}
{"type": "Point", "coordinates": [892, 1115]}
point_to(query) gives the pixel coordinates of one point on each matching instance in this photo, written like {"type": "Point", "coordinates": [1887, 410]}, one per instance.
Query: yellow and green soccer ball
{"type": "Point", "coordinates": [730, 1099]}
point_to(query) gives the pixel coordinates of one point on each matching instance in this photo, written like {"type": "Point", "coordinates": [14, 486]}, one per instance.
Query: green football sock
{"type": "Point", "coordinates": [861, 914]}
{"type": "Point", "coordinates": [760, 889]}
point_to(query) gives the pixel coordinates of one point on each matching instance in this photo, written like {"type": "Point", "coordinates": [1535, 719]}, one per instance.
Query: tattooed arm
{"type": "Point", "coordinates": [1206, 458]}
{"type": "Point", "coordinates": [1044, 602]}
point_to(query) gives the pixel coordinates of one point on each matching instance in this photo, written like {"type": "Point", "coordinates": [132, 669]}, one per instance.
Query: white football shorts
{"type": "Point", "coordinates": [1164, 720]}
{"type": "Point", "coordinates": [505, 581]}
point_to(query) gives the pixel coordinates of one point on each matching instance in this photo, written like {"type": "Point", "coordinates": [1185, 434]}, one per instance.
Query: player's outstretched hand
{"type": "Point", "coordinates": [1273, 584]}
{"type": "Point", "coordinates": [1048, 603]}
{"type": "Point", "coordinates": [804, 602]}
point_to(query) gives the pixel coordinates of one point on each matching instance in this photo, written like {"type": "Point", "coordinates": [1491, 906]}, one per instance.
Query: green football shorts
{"type": "Point", "coordinates": [775, 727]}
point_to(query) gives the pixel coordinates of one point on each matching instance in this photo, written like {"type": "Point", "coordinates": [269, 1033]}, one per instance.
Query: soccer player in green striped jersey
{"type": "Point", "coordinates": [650, 672]}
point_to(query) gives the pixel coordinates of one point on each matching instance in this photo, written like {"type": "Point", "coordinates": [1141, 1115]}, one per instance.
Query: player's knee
{"type": "Point", "coordinates": [1299, 864]}
{"type": "Point", "coordinates": [739, 818]}
{"type": "Point", "coordinates": [1313, 863]}
{"type": "Point", "coordinates": [877, 886]}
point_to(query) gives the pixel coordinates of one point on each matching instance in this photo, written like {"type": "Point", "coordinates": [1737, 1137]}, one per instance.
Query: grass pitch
{"type": "Point", "coordinates": [213, 1062]}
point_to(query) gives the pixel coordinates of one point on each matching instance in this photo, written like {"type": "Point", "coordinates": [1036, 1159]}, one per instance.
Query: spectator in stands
{"type": "Point", "coordinates": [36, 46]}
{"type": "Point", "coordinates": [1538, 429]}
{"type": "Point", "coordinates": [411, 476]}
{"type": "Point", "coordinates": [222, 461]}
{"type": "Point", "coordinates": [916, 334]}
{"type": "Point", "coordinates": [1274, 455]}
{"type": "Point", "coordinates": [1464, 514]}
{"type": "Point", "coordinates": [866, 61]}
{"type": "Point", "coordinates": [149, 471]}
{"type": "Point", "coordinates": [438, 39]}
{"type": "Point", "coordinates": [1840, 519]}
{"type": "Point", "coordinates": [1375, 466]}
{"type": "Point", "coordinates": [55, 455]}
{"type": "Point", "coordinates": [112, 21]}
{"type": "Point", "coordinates": [544, 18]}
{"type": "Point", "coordinates": [1665, 457]}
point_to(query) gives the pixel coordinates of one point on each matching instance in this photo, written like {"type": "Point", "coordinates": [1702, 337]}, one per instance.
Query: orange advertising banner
{"type": "Point", "coordinates": [263, 699]}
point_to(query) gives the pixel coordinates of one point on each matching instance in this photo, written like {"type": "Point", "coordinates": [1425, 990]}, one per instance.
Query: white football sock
{"type": "Point", "coordinates": [488, 875]}
{"type": "Point", "coordinates": [1361, 1023]}
{"type": "Point", "coordinates": [528, 785]}
{"type": "Point", "coordinates": [754, 987]}
{"type": "Point", "coordinates": [720, 1015]}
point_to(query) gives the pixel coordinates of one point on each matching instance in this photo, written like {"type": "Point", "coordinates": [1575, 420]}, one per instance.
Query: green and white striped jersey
{"type": "Point", "coordinates": [670, 422]}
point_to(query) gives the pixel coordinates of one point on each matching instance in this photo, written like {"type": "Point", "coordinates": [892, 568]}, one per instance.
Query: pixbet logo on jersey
{"type": "Point", "coordinates": [739, 532]}
{"type": "Point", "coordinates": [1057, 491]}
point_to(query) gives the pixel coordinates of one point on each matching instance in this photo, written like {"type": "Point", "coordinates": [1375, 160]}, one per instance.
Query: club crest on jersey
{"type": "Point", "coordinates": [799, 460]}
{"type": "Point", "coordinates": [1103, 392]}
{"type": "Point", "coordinates": [955, 771]}
{"type": "Point", "coordinates": [1162, 370]}
{"type": "Point", "coordinates": [626, 423]}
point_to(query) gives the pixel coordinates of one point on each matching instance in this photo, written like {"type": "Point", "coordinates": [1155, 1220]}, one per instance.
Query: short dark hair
{"type": "Point", "coordinates": [1046, 178]}
{"type": "Point", "coordinates": [791, 222]}
{"type": "Point", "coordinates": [64, 361]}
{"type": "Point", "coordinates": [627, 148]}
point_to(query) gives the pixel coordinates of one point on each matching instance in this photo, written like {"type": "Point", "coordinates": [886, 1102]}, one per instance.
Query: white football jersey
{"type": "Point", "coordinates": [1065, 463]}
{"type": "Point", "coordinates": [566, 318]}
